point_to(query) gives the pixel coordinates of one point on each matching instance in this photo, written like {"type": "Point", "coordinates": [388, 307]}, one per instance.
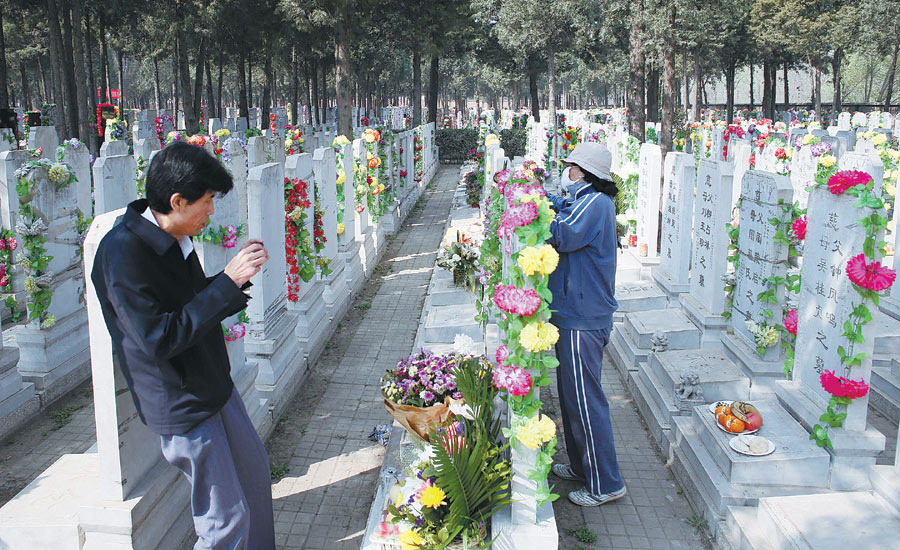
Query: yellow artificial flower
{"type": "Point", "coordinates": [894, 154]}
{"type": "Point", "coordinates": [369, 135]}
{"type": "Point", "coordinates": [340, 229]}
{"type": "Point", "coordinates": [342, 177]}
{"type": "Point", "coordinates": [410, 540]}
{"type": "Point", "coordinates": [541, 259]}
{"type": "Point", "coordinates": [491, 139]}
{"type": "Point", "coordinates": [288, 142]}
{"type": "Point", "coordinates": [807, 139]}
{"type": "Point", "coordinates": [538, 336]}
{"type": "Point", "coordinates": [890, 188]}
{"type": "Point", "coordinates": [340, 141]}
{"type": "Point", "coordinates": [528, 438]}
{"type": "Point", "coordinates": [432, 496]}
{"type": "Point", "coordinates": [223, 132]}
{"type": "Point", "coordinates": [546, 428]}
{"type": "Point", "coordinates": [879, 139]}
{"type": "Point", "coordinates": [539, 429]}
{"type": "Point", "coordinates": [827, 161]}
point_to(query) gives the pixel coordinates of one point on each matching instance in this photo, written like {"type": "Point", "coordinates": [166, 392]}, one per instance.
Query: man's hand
{"type": "Point", "coordinates": [247, 263]}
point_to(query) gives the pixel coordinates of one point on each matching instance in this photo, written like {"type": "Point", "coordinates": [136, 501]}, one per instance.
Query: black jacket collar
{"type": "Point", "coordinates": [156, 238]}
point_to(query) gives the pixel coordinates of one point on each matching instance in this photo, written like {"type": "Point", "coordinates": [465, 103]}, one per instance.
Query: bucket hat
{"type": "Point", "coordinates": [592, 157]}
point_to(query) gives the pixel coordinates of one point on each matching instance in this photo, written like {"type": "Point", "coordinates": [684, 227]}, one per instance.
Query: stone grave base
{"type": "Point", "coordinates": [890, 305]}
{"type": "Point", "coordinates": [853, 451]}
{"type": "Point", "coordinates": [511, 535]}
{"type": "Point", "coordinates": [257, 406]}
{"type": "Point", "coordinates": [647, 263]}
{"type": "Point", "coordinates": [820, 522]}
{"type": "Point", "coordinates": [763, 374]}
{"type": "Point", "coordinates": [57, 359]}
{"type": "Point", "coordinates": [313, 324]}
{"type": "Point", "coordinates": [63, 510]}
{"type": "Point", "coordinates": [282, 363]}
{"type": "Point", "coordinates": [349, 255]}
{"type": "Point", "coordinates": [336, 293]}
{"type": "Point", "coordinates": [19, 402]}
{"type": "Point", "coordinates": [712, 325]}
{"type": "Point", "coordinates": [885, 331]}
{"type": "Point", "coordinates": [631, 339]}
{"type": "Point", "coordinates": [714, 476]}
{"type": "Point", "coordinates": [885, 394]}
{"type": "Point", "coordinates": [655, 387]}
{"type": "Point", "coordinates": [639, 295]}
{"type": "Point", "coordinates": [390, 221]}
{"type": "Point", "coordinates": [674, 290]}
{"type": "Point", "coordinates": [367, 252]}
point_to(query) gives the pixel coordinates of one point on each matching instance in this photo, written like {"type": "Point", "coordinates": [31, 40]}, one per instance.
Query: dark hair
{"type": "Point", "coordinates": [607, 187]}
{"type": "Point", "coordinates": [185, 169]}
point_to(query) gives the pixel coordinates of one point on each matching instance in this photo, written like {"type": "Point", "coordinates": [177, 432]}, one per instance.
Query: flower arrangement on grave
{"type": "Point", "coordinates": [460, 258]}
{"type": "Point", "coordinates": [732, 130]}
{"type": "Point", "coordinates": [226, 236]}
{"type": "Point", "coordinates": [299, 247]}
{"type": "Point", "coordinates": [218, 139]}
{"type": "Point", "coordinates": [252, 132]}
{"type": "Point", "coordinates": [197, 140]}
{"type": "Point", "coordinates": [160, 123]}
{"type": "Point", "coordinates": [338, 144]}
{"type": "Point", "coordinates": [172, 137]}
{"type": "Point", "coordinates": [101, 122]}
{"type": "Point", "coordinates": [474, 188]}
{"type": "Point", "coordinates": [458, 480]}
{"type": "Point", "coordinates": [237, 330]}
{"type": "Point", "coordinates": [323, 263]}
{"type": "Point", "coordinates": [32, 228]}
{"type": "Point", "coordinates": [8, 245]}
{"type": "Point", "coordinates": [293, 140]}
{"type": "Point", "coordinates": [418, 161]}
{"type": "Point", "coordinates": [870, 279]}
{"type": "Point", "coordinates": [117, 128]}
{"type": "Point", "coordinates": [571, 136]}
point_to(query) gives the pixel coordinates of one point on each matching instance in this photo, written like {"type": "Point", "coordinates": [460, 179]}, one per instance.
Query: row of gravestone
{"type": "Point", "coordinates": [678, 352]}
{"type": "Point", "coordinates": [126, 494]}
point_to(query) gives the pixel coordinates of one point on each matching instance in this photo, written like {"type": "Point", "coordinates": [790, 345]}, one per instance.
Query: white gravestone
{"type": "Point", "coordinates": [712, 213]}
{"type": "Point", "coordinates": [114, 148]}
{"type": "Point", "coordinates": [115, 182]}
{"type": "Point", "coordinates": [868, 163]}
{"type": "Point", "coordinates": [739, 151]}
{"type": "Point", "coordinates": [760, 258]}
{"type": "Point", "coordinates": [677, 221]}
{"type": "Point", "coordinates": [79, 158]}
{"type": "Point", "coordinates": [235, 160]}
{"type": "Point", "coordinates": [44, 138]}
{"type": "Point", "coordinates": [803, 173]}
{"type": "Point", "coordinates": [844, 121]}
{"type": "Point", "coordinates": [649, 182]}
{"type": "Point", "coordinates": [336, 291]}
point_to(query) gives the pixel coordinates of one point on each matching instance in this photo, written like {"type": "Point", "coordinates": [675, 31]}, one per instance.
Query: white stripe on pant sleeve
{"type": "Point", "coordinates": [576, 360]}
{"type": "Point", "coordinates": [589, 432]}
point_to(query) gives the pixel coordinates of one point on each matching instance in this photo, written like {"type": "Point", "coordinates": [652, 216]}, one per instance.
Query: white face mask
{"type": "Point", "coordinates": [565, 179]}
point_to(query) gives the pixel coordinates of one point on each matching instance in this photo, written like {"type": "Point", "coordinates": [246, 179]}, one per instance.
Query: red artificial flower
{"type": "Point", "coordinates": [799, 228]}
{"type": "Point", "coordinates": [845, 179]}
{"type": "Point", "coordinates": [780, 153]}
{"type": "Point", "coordinates": [839, 386]}
{"type": "Point", "coordinates": [790, 322]}
{"type": "Point", "coordinates": [752, 160]}
{"type": "Point", "coordinates": [872, 276]}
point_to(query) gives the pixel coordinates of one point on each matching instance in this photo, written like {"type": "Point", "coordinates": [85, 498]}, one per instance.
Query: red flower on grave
{"type": "Point", "coordinates": [752, 160]}
{"type": "Point", "coordinates": [780, 153]}
{"type": "Point", "coordinates": [790, 322]}
{"type": "Point", "coordinates": [872, 276]}
{"type": "Point", "coordinates": [845, 179]}
{"type": "Point", "coordinates": [839, 386]}
{"type": "Point", "coordinates": [798, 227]}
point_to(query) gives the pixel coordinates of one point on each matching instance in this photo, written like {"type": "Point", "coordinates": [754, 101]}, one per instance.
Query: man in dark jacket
{"type": "Point", "coordinates": [164, 316]}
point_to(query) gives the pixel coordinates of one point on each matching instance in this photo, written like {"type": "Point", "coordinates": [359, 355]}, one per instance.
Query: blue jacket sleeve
{"type": "Point", "coordinates": [577, 225]}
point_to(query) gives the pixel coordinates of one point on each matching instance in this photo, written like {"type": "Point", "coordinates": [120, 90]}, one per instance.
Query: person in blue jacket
{"type": "Point", "coordinates": [583, 286]}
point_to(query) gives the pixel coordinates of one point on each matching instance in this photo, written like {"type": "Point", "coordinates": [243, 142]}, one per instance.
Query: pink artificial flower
{"type": "Point", "coordinates": [515, 380]}
{"type": "Point", "coordinates": [2, 244]}
{"type": "Point", "coordinates": [873, 276]}
{"type": "Point", "coordinates": [502, 177]}
{"type": "Point", "coordinates": [516, 216]}
{"type": "Point", "coordinates": [229, 242]}
{"type": "Point", "coordinates": [839, 386]}
{"type": "Point", "coordinates": [516, 191]}
{"type": "Point", "coordinates": [518, 301]}
{"type": "Point", "coordinates": [4, 281]}
{"type": "Point", "coordinates": [12, 243]}
{"type": "Point", "coordinates": [845, 179]}
{"type": "Point", "coordinates": [790, 322]}
{"type": "Point", "coordinates": [799, 228]}
{"type": "Point", "coordinates": [360, 208]}
{"type": "Point", "coordinates": [502, 354]}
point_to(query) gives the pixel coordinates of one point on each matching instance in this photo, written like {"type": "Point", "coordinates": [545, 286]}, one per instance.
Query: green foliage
{"type": "Point", "coordinates": [513, 141]}
{"type": "Point", "coordinates": [455, 144]}
{"type": "Point", "coordinates": [278, 471]}
{"type": "Point", "coordinates": [583, 534]}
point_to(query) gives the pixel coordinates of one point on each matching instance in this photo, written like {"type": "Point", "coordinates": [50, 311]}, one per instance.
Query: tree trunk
{"type": "Point", "coordinates": [120, 56]}
{"type": "Point", "coordinates": [551, 107]}
{"type": "Point", "coordinates": [295, 84]}
{"type": "Point", "coordinates": [198, 80]}
{"type": "Point", "coordinates": [417, 86]}
{"type": "Point", "coordinates": [92, 83]}
{"type": "Point", "coordinates": [729, 91]}
{"type": "Point", "coordinates": [184, 75]}
{"type": "Point", "coordinates": [433, 84]}
{"type": "Point", "coordinates": [81, 86]}
{"type": "Point", "coordinates": [636, 83]}
{"type": "Point", "coordinates": [210, 98]}
{"type": "Point", "coordinates": [669, 88]}
{"type": "Point", "coordinates": [26, 97]}
{"type": "Point", "coordinates": [533, 93]}
{"type": "Point", "coordinates": [69, 84]}
{"type": "Point", "coordinates": [767, 99]}
{"type": "Point", "coordinates": [267, 88]}
{"type": "Point", "coordinates": [751, 86]}
{"type": "Point", "coordinates": [324, 66]}
{"type": "Point", "coordinates": [157, 91]}
{"type": "Point", "coordinates": [104, 59]}
{"type": "Point", "coordinates": [890, 77]}
{"type": "Point", "coordinates": [698, 87]}
{"type": "Point", "coordinates": [836, 78]}
{"type": "Point", "coordinates": [243, 108]}
{"type": "Point", "coordinates": [176, 88]}
{"type": "Point", "coordinates": [45, 81]}
{"type": "Point", "coordinates": [56, 61]}
{"type": "Point", "coordinates": [342, 80]}
{"type": "Point", "coordinates": [686, 83]}
{"type": "Point", "coordinates": [817, 93]}
{"type": "Point", "coordinates": [653, 94]}
{"type": "Point", "coordinates": [4, 86]}
{"type": "Point", "coordinates": [773, 72]}
{"type": "Point", "coordinates": [787, 97]}
{"type": "Point", "coordinates": [219, 106]}
{"type": "Point", "coordinates": [315, 90]}
{"type": "Point", "coordinates": [250, 78]}
{"type": "Point", "coordinates": [309, 103]}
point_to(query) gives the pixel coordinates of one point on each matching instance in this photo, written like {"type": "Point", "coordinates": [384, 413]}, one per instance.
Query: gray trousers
{"type": "Point", "coordinates": [228, 469]}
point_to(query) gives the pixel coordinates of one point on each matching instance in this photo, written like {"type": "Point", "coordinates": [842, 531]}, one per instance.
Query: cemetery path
{"type": "Point", "coordinates": [323, 500]}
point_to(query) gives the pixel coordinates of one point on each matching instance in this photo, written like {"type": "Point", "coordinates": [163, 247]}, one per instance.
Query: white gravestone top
{"type": "Point", "coordinates": [678, 202]}
{"type": "Point", "coordinates": [712, 213]}
{"type": "Point", "coordinates": [648, 195]}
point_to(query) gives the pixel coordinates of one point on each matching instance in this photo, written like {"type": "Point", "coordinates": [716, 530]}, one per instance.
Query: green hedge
{"type": "Point", "coordinates": [455, 144]}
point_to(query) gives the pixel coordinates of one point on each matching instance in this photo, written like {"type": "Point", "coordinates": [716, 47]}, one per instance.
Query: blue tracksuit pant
{"type": "Point", "coordinates": [585, 411]}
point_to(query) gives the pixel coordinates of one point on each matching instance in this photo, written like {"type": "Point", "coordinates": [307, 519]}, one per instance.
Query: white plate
{"type": "Point", "coordinates": [741, 444]}
{"type": "Point", "coordinates": [712, 410]}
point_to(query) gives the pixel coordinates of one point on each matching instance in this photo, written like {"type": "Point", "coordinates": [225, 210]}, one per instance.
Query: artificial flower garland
{"type": "Point", "coordinates": [299, 248]}
{"type": "Point", "coordinates": [101, 123]}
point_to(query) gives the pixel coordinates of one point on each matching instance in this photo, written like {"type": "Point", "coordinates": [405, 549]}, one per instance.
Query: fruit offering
{"type": "Point", "coordinates": [730, 422]}
{"type": "Point", "coordinates": [748, 414]}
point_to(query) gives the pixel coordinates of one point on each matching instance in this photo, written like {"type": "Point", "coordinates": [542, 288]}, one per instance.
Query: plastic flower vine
{"type": "Point", "coordinates": [539, 429]}
{"type": "Point", "coordinates": [518, 301]}
{"type": "Point", "coordinates": [845, 179]}
{"type": "Point", "coordinates": [839, 386]}
{"type": "Point", "coordinates": [798, 227]}
{"type": "Point", "coordinates": [872, 276]}
{"type": "Point", "coordinates": [538, 336]}
{"type": "Point", "coordinates": [541, 259]}
{"type": "Point", "coordinates": [517, 216]}
{"type": "Point", "coordinates": [790, 322]}
{"type": "Point", "coordinates": [513, 379]}
{"type": "Point", "coordinates": [502, 354]}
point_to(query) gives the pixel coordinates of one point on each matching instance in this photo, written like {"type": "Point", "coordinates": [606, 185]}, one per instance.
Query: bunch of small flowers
{"type": "Point", "coordinates": [421, 380]}
{"type": "Point", "coordinates": [230, 237]}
